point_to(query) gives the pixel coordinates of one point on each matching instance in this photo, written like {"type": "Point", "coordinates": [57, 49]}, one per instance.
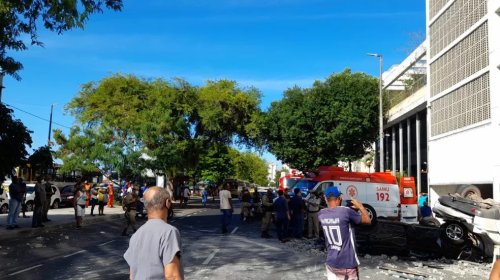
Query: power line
{"type": "Point", "coordinates": [38, 117]}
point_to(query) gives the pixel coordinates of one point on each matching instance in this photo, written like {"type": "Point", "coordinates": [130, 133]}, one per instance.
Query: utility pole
{"type": "Point", "coordinates": [50, 124]}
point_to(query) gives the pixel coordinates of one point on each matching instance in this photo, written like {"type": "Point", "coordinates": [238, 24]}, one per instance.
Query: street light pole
{"type": "Point", "coordinates": [380, 113]}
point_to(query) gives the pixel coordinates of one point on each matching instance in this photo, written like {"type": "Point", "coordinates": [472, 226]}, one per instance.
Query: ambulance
{"type": "Point", "coordinates": [288, 181]}
{"type": "Point", "coordinates": [380, 192]}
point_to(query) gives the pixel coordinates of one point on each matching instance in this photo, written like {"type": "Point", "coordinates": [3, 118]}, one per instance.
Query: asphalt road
{"type": "Point", "coordinates": [96, 252]}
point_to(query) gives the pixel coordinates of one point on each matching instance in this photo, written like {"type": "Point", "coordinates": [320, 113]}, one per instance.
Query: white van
{"type": "Point", "coordinates": [380, 199]}
{"type": "Point", "coordinates": [4, 199]}
{"type": "Point", "coordinates": [55, 200]}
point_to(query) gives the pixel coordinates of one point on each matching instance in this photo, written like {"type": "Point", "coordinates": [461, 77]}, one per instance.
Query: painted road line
{"type": "Point", "coordinates": [210, 257]}
{"type": "Point", "coordinates": [102, 244]}
{"type": "Point", "coordinates": [234, 230]}
{"type": "Point", "coordinates": [258, 244]}
{"type": "Point", "coordinates": [75, 253]}
{"type": "Point", "coordinates": [26, 269]}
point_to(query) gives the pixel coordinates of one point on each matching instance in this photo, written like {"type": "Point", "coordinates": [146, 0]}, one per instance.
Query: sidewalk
{"type": "Point", "coordinates": [62, 217]}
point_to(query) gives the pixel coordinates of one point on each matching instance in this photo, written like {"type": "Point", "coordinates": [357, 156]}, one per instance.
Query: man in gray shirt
{"type": "Point", "coordinates": [154, 251]}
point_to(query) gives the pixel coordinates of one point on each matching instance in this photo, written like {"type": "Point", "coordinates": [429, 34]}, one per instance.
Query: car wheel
{"type": "Point", "coordinates": [4, 209]}
{"type": "Point", "coordinates": [469, 191]}
{"type": "Point", "coordinates": [454, 232]}
{"type": "Point", "coordinates": [29, 206]}
{"type": "Point", "coordinates": [55, 205]}
{"type": "Point", "coordinates": [371, 213]}
{"type": "Point", "coordinates": [430, 221]}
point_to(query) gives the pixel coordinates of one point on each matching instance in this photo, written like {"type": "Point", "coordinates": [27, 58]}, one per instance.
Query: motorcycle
{"type": "Point", "coordinates": [471, 227]}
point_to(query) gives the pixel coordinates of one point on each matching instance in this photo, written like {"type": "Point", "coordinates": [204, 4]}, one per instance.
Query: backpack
{"type": "Point", "coordinates": [100, 196]}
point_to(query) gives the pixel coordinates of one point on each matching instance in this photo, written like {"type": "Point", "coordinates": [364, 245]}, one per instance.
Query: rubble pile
{"type": "Point", "coordinates": [390, 267]}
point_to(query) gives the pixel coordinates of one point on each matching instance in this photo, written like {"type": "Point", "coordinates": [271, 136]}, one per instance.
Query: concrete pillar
{"type": "Point", "coordinates": [419, 166]}
{"type": "Point", "coordinates": [394, 150]}
{"type": "Point", "coordinates": [401, 160]}
{"type": "Point", "coordinates": [408, 146]}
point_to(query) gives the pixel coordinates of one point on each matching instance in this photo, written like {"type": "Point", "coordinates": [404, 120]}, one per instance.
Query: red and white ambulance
{"type": "Point", "coordinates": [288, 181]}
{"type": "Point", "coordinates": [379, 192]}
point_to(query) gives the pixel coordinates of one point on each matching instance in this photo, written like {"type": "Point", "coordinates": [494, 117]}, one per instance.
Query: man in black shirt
{"type": "Point", "coordinates": [46, 206]}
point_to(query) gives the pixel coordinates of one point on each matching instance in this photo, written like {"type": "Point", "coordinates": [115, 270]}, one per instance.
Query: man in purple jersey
{"type": "Point", "coordinates": [337, 221]}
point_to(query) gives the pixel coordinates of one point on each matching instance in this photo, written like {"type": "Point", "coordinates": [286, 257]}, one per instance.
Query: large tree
{"type": "Point", "coordinates": [14, 138]}
{"type": "Point", "coordinates": [20, 21]}
{"type": "Point", "coordinates": [41, 160]}
{"type": "Point", "coordinates": [250, 167]}
{"type": "Point", "coordinates": [165, 126]}
{"type": "Point", "coordinates": [334, 120]}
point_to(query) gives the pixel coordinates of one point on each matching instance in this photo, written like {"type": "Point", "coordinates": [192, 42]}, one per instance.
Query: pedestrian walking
{"type": "Point", "coordinates": [130, 202]}
{"type": "Point", "coordinates": [79, 204]}
{"type": "Point", "coordinates": [46, 205]}
{"type": "Point", "coordinates": [111, 195]}
{"type": "Point", "coordinates": [101, 200]}
{"type": "Point", "coordinates": [282, 216]}
{"type": "Point", "coordinates": [256, 204]}
{"type": "Point", "coordinates": [39, 201]}
{"type": "Point", "coordinates": [94, 200]}
{"type": "Point", "coordinates": [23, 190]}
{"type": "Point", "coordinates": [87, 193]}
{"type": "Point", "coordinates": [226, 207]}
{"type": "Point", "coordinates": [154, 251]}
{"type": "Point", "coordinates": [185, 195]}
{"type": "Point", "coordinates": [297, 208]}
{"type": "Point", "coordinates": [14, 203]}
{"type": "Point", "coordinates": [312, 205]}
{"type": "Point", "coordinates": [267, 208]}
{"type": "Point", "coordinates": [337, 222]}
{"type": "Point", "coordinates": [204, 197]}
{"type": "Point", "coordinates": [246, 204]}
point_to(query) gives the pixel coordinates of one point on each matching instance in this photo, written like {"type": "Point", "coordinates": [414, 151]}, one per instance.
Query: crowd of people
{"type": "Point", "coordinates": [17, 202]}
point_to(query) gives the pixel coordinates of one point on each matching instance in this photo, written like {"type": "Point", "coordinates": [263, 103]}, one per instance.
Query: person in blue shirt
{"type": "Point", "coordinates": [337, 222]}
{"type": "Point", "coordinates": [425, 210]}
{"type": "Point", "coordinates": [282, 216]}
{"type": "Point", "coordinates": [297, 207]}
{"type": "Point", "coordinates": [204, 197]}
{"type": "Point", "coordinates": [421, 199]}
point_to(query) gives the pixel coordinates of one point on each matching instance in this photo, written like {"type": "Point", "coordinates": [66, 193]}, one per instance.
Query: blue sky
{"type": "Point", "coordinates": [269, 44]}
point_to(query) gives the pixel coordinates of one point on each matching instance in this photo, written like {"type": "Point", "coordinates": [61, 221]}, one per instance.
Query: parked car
{"type": "Point", "coordinates": [4, 201]}
{"type": "Point", "coordinates": [55, 200]}
{"type": "Point", "coordinates": [67, 195]}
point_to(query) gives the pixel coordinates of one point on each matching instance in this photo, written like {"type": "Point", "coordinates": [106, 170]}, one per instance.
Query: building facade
{"type": "Point", "coordinates": [464, 95]}
{"type": "Point", "coordinates": [443, 125]}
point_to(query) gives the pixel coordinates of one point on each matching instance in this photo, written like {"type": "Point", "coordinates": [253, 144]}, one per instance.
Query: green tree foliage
{"type": "Point", "coordinates": [250, 167]}
{"type": "Point", "coordinates": [20, 20]}
{"type": "Point", "coordinates": [216, 164]}
{"type": "Point", "coordinates": [225, 111]}
{"type": "Point", "coordinates": [41, 160]}
{"type": "Point", "coordinates": [14, 137]}
{"type": "Point", "coordinates": [334, 120]}
{"type": "Point", "coordinates": [165, 126]}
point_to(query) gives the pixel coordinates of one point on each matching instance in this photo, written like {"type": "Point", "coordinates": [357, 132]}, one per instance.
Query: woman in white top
{"type": "Point", "coordinates": [79, 204]}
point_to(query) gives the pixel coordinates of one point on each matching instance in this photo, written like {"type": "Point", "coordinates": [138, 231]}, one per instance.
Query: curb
{"type": "Point", "coordinates": [30, 232]}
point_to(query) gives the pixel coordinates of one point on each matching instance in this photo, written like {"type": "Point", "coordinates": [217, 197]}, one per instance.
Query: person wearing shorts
{"type": "Point", "coordinates": [79, 205]}
{"type": "Point", "coordinates": [337, 222]}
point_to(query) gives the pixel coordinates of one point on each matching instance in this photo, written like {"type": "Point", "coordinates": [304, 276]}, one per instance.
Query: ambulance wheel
{"type": "Point", "coordinates": [371, 213]}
